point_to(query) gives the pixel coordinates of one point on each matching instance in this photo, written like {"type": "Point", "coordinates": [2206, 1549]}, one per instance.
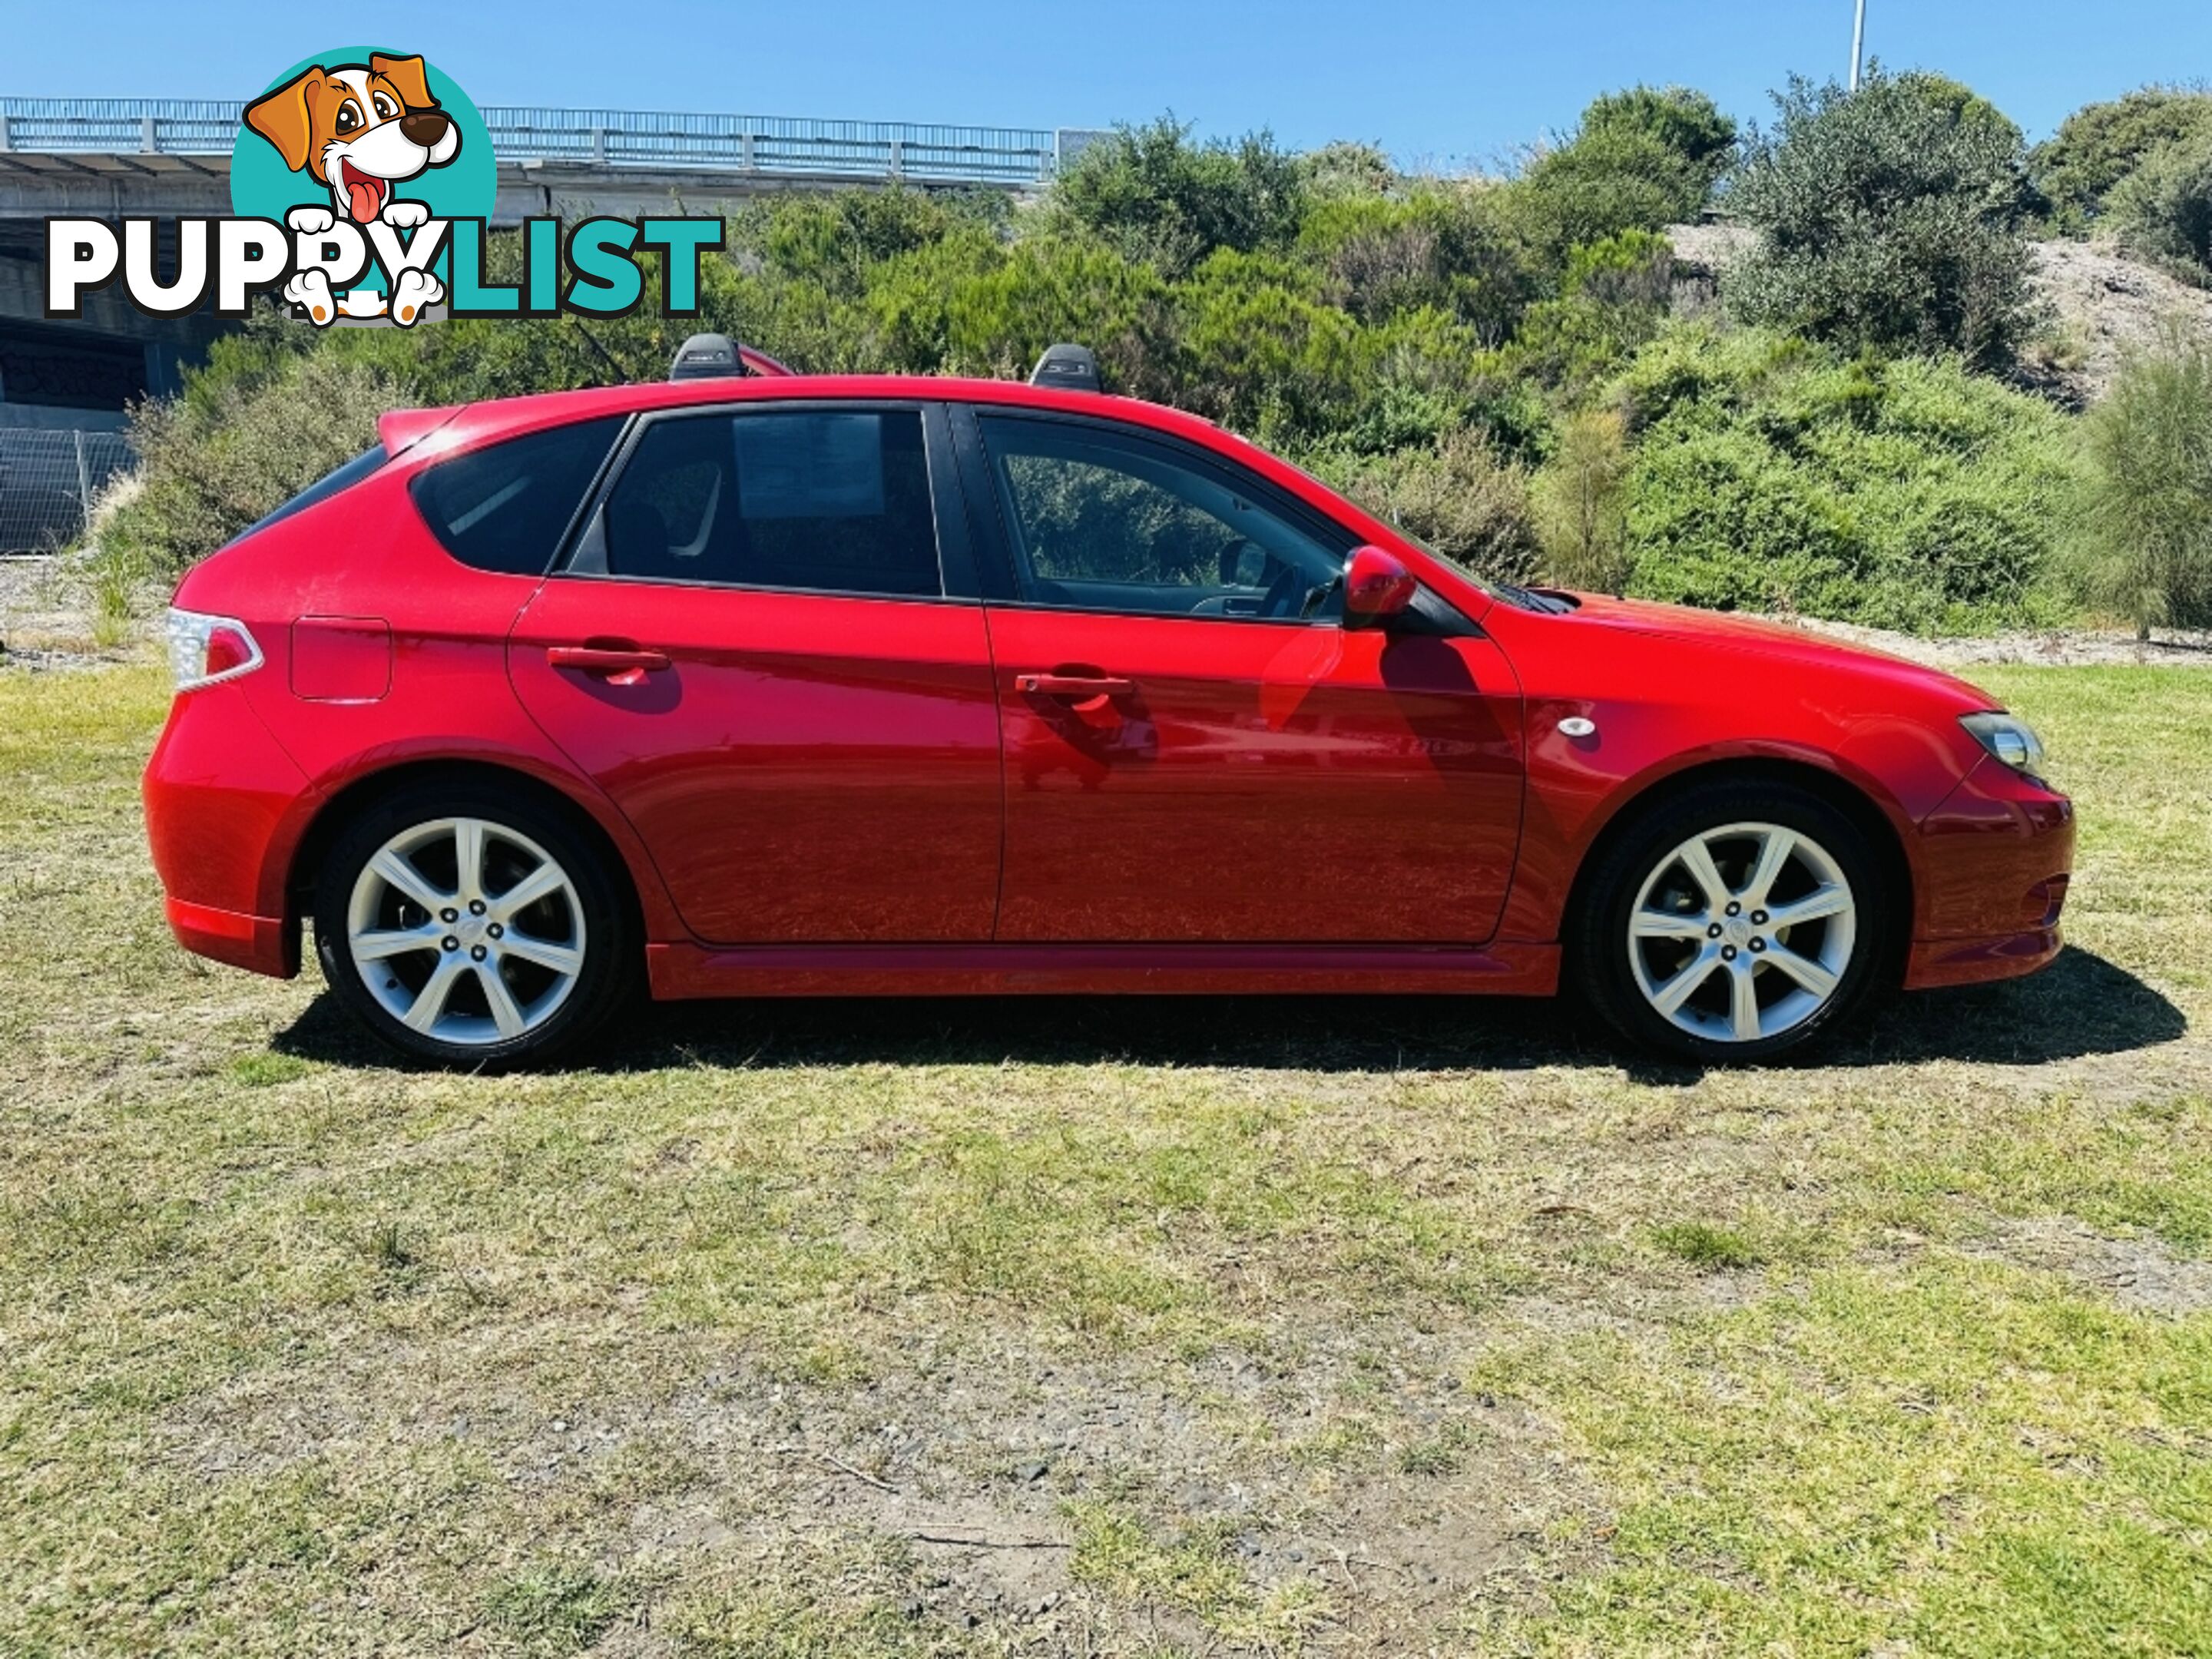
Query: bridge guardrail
{"type": "Point", "coordinates": [635, 138]}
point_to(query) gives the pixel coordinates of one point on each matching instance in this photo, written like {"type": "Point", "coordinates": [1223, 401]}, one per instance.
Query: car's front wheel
{"type": "Point", "coordinates": [473, 927]}
{"type": "Point", "coordinates": [1734, 923]}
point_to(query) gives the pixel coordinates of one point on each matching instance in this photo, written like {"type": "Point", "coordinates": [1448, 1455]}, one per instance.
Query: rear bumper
{"type": "Point", "coordinates": [1997, 858]}
{"type": "Point", "coordinates": [261, 944]}
{"type": "Point", "coordinates": [217, 792]}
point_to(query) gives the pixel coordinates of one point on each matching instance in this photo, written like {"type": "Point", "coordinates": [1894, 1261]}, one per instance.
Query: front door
{"type": "Point", "coordinates": [752, 653]}
{"type": "Point", "coordinates": [1196, 750]}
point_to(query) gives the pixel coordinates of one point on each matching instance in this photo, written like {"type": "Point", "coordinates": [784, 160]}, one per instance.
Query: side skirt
{"type": "Point", "coordinates": [681, 971]}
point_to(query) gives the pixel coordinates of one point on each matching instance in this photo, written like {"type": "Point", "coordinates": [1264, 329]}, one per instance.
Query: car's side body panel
{"type": "Point", "coordinates": [808, 768]}
{"type": "Point", "coordinates": [447, 698]}
{"type": "Point", "coordinates": [1114, 831]}
{"type": "Point", "coordinates": [1258, 782]}
{"type": "Point", "coordinates": [678, 971]}
{"type": "Point", "coordinates": [1670, 692]}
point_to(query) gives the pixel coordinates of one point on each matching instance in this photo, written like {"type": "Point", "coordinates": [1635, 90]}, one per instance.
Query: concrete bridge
{"type": "Point", "coordinates": [112, 157]}
{"type": "Point", "coordinates": [107, 157]}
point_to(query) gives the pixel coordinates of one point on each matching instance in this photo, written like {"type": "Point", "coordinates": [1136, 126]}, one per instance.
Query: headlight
{"type": "Point", "coordinates": [2007, 737]}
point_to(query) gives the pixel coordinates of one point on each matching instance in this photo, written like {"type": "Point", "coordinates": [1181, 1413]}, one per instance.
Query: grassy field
{"type": "Point", "coordinates": [1135, 1326]}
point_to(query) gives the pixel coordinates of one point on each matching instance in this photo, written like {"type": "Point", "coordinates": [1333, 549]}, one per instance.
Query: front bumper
{"type": "Point", "coordinates": [1996, 859]}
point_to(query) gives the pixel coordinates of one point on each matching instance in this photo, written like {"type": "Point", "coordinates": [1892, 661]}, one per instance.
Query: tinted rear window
{"type": "Point", "coordinates": [505, 506]}
{"type": "Point", "coordinates": [831, 500]}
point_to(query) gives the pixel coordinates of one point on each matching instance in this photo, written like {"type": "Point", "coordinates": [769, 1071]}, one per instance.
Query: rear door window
{"type": "Point", "coordinates": [505, 506]}
{"type": "Point", "coordinates": [823, 500]}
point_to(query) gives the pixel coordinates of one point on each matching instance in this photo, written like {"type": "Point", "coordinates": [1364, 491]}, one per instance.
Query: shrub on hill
{"type": "Point", "coordinates": [2143, 545]}
{"type": "Point", "coordinates": [1581, 505]}
{"type": "Point", "coordinates": [1458, 495]}
{"type": "Point", "coordinates": [1771, 474]}
{"type": "Point", "coordinates": [215, 462]}
{"type": "Point", "coordinates": [1434, 244]}
{"type": "Point", "coordinates": [1891, 217]}
{"type": "Point", "coordinates": [1598, 185]}
{"type": "Point", "coordinates": [1157, 195]}
{"type": "Point", "coordinates": [2099, 146]}
{"type": "Point", "coordinates": [2164, 208]}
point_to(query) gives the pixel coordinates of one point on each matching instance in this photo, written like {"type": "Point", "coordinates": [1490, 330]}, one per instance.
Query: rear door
{"type": "Point", "coordinates": [751, 651]}
{"type": "Point", "coordinates": [1195, 749]}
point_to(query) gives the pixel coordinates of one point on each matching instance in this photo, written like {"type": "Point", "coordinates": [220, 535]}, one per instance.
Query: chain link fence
{"type": "Point", "coordinates": [49, 480]}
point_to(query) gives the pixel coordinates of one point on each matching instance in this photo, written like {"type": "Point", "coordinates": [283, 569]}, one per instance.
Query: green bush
{"type": "Point", "coordinates": [1638, 161]}
{"type": "Point", "coordinates": [1156, 195]}
{"type": "Point", "coordinates": [2098, 147]}
{"type": "Point", "coordinates": [1773, 476]}
{"type": "Point", "coordinates": [1687, 123]}
{"type": "Point", "coordinates": [1435, 246]}
{"type": "Point", "coordinates": [1891, 217]}
{"type": "Point", "coordinates": [1261, 351]}
{"type": "Point", "coordinates": [836, 238]}
{"type": "Point", "coordinates": [213, 463]}
{"type": "Point", "coordinates": [1348, 169]}
{"type": "Point", "coordinates": [1458, 496]}
{"type": "Point", "coordinates": [1580, 502]}
{"type": "Point", "coordinates": [2164, 208]}
{"type": "Point", "coordinates": [1613, 298]}
{"type": "Point", "coordinates": [1598, 186]}
{"type": "Point", "coordinates": [2143, 545]}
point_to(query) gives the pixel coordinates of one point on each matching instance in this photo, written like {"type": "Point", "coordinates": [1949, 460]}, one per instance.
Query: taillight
{"type": "Point", "coordinates": [204, 649]}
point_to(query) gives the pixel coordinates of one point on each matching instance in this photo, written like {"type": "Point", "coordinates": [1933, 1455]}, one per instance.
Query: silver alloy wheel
{"type": "Point", "coordinates": [1743, 933]}
{"type": "Point", "coordinates": [466, 931]}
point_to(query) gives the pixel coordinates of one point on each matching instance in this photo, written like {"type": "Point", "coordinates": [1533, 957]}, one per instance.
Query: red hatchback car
{"type": "Point", "coordinates": [785, 685]}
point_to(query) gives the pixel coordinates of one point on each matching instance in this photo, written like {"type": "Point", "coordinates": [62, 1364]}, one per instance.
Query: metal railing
{"type": "Point", "coordinates": [49, 479]}
{"type": "Point", "coordinates": [602, 138]}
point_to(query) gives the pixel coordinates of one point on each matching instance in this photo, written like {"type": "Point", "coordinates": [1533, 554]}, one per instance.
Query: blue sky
{"type": "Point", "coordinates": [1431, 80]}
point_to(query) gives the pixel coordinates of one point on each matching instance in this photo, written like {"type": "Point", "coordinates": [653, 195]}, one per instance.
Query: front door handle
{"type": "Point", "coordinates": [624, 666]}
{"type": "Point", "coordinates": [1074, 685]}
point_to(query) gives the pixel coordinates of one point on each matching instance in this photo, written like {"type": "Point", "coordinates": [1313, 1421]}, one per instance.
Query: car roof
{"type": "Point", "coordinates": [463, 425]}
{"type": "Point", "coordinates": [440, 431]}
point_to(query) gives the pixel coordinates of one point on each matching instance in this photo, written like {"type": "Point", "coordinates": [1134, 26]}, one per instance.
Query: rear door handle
{"type": "Point", "coordinates": [1074, 685]}
{"type": "Point", "coordinates": [619, 668]}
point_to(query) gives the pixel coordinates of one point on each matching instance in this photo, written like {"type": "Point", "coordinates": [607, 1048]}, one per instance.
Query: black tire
{"type": "Point", "coordinates": [611, 972]}
{"type": "Point", "coordinates": [1598, 943]}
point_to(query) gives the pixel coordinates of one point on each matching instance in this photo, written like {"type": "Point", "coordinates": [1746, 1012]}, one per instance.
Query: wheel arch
{"type": "Point", "coordinates": [1838, 790]}
{"type": "Point", "coordinates": [331, 815]}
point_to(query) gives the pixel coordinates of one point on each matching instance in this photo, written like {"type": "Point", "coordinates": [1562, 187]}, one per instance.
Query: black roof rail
{"type": "Point", "coordinates": [705, 357]}
{"type": "Point", "coordinates": [1070, 367]}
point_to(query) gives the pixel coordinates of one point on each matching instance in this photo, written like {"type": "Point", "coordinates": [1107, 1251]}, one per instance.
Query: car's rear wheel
{"type": "Point", "coordinates": [473, 927]}
{"type": "Point", "coordinates": [1735, 923]}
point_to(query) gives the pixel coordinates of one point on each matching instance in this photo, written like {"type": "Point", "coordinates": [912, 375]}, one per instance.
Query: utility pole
{"type": "Point", "coordinates": [1858, 45]}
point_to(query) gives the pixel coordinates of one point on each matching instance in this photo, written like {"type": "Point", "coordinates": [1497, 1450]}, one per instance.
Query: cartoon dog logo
{"type": "Point", "coordinates": [360, 130]}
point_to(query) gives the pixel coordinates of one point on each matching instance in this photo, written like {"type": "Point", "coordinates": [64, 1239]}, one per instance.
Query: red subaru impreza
{"type": "Point", "coordinates": [786, 685]}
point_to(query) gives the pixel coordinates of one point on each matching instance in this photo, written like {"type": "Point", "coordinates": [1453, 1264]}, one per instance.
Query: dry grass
{"type": "Point", "coordinates": [1130, 1327]}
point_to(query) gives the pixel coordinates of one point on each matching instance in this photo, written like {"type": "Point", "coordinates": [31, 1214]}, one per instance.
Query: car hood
{"type": "Point", "coordinates": [1695, 629]}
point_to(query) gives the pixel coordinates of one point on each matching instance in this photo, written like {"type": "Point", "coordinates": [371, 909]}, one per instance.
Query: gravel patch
{"type": "Point", "coordinates": [2046, 648]}
{"type": "Point", "coordinates": [2143, 1275]}
{"type": "Point", "coordinates": [43, 625]}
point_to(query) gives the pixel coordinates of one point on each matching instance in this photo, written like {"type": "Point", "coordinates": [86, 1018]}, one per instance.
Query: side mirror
{"type": "Point", "coordinates": [1377, 587]}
